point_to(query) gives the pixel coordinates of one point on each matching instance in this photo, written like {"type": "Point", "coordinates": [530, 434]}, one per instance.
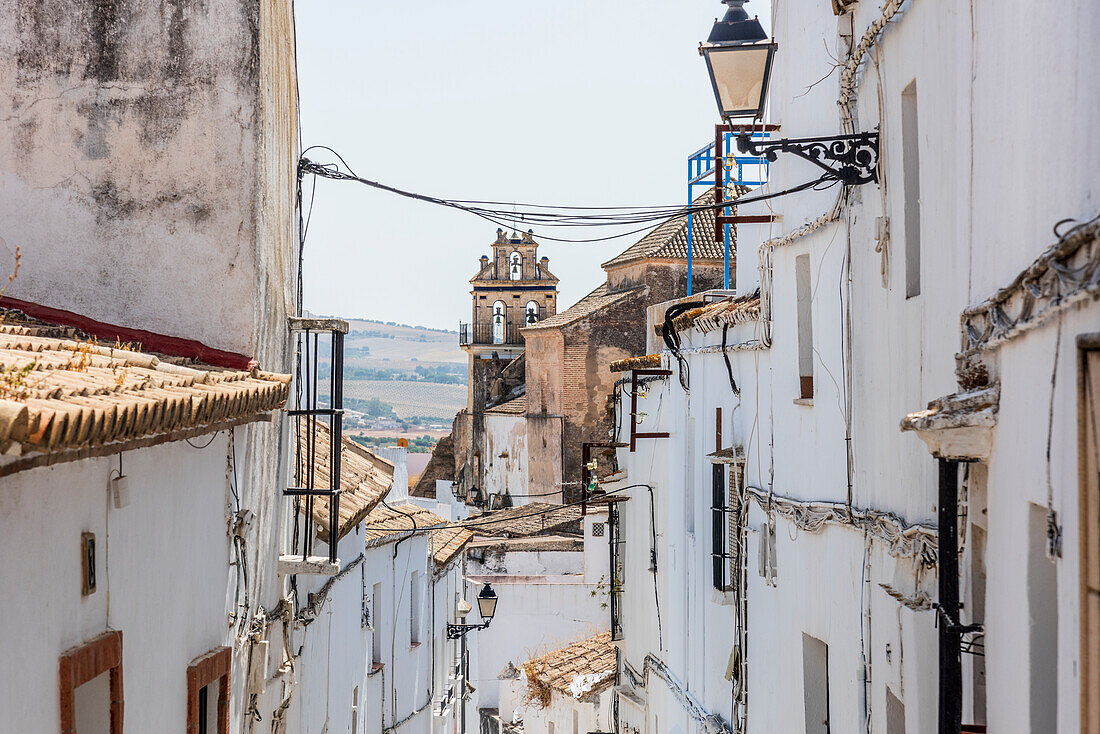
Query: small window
{"type": "Point", "coordinates": [910, 145]}
{"type": "Point", "coordinates": [718, 508]}
{"type": "Point", "coordinates": [376, 617]}
{"type": "Point", "coordinates": [805, 327]}
{"type": "Point", "coordinates": [815, 684]}
{"type": "Point", "coordinates": [414, 608]}
{"type": "Point", "coordinates": [208, 692]}
{"type": "Point", "coordinates": [90, 685]}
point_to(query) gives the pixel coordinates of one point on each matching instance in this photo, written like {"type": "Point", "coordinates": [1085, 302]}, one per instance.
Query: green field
{"type": "Point", "coordinates": [410, 398]}
{"type": "Point", "coordinates": [395, 363]}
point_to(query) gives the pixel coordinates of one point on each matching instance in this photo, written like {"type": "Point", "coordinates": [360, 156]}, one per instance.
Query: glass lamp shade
{"type": "Point", "coordinates": [487, 602]}
{"type": "Point", "coordinates": [739, 74]}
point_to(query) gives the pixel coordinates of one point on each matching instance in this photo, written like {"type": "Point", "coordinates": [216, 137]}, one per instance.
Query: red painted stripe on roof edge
{"type": "Point", "coordinates": [150, 341]}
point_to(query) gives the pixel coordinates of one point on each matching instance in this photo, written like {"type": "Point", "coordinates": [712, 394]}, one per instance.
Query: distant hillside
{"type": "Point", "coordinates": [414, 371]}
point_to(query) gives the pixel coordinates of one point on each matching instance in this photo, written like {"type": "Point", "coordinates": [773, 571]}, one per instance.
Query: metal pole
{"type": "Point", "coordinates": [720, 198]}
{"type": "Point", "coordinates": [462, 692]}
{"type": "Point", "coordinates": [950, 637]}
{"type": "Point", "coordinates": [586, 453]}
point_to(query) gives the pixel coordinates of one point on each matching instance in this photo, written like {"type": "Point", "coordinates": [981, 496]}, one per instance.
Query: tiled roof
{"type": "Point", "coordinates": [580, 670]}
{"type": "Point", "coordinates": [728, 311]}
{"type": "Point", "coordinates": [646, 361]}
{"type": "Point", "coordinates": [593, 302]}
{"type": "Point", "coordinates": [670, 238]}
{"type": "Point", "coordinates": [525, 521]}
{"type": "Point", "coordinates": [63, 396]}
{"type": "Point", "coordinates": [515, 406]}
{"type": "Point", "coordinates": [364, 478]}
{"type": "Point", "coordinates": [387, 523]}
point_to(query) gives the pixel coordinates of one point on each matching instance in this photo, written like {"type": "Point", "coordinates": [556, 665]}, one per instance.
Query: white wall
{"type": "Point", "coordinates": [563, 711]}
{"type": "Point", "coordinates": [162, 565]}
{"type": "Point", "coordinates": [540, 609]}
{"type": "Point", "coordinates": [988, 206]}
{"type": "Point", "coordinates": [337, 649]}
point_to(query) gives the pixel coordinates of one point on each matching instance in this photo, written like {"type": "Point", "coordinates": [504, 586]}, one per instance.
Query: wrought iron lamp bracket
{"type": "Point", "coordinates": [850, 159]}
{"type": "Point", "coordinates": [457, 631]}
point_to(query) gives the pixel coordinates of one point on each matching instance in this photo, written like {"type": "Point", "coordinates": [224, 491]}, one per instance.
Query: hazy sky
{"type": "Point", "coordinates": [583, 102]}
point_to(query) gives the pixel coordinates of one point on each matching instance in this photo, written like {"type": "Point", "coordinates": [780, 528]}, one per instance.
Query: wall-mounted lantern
{"type": "Point", "coordinates": [739, 58]}
{"type": "Point", "coordinates": [486, 606]}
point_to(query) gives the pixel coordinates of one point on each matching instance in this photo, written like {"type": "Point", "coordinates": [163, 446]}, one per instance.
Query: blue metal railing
{"type": "Point", "coordinates": [742, 170]}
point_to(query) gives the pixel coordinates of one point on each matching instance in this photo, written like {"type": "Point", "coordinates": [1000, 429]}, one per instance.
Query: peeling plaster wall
{"type": "Point", "coordinates": [505, 455]}
{"type": "Point", "coordinates": [147, 152]}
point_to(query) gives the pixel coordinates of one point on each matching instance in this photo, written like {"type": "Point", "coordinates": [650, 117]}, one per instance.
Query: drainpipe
{"type": "Point", "coordinates": [948, 609]}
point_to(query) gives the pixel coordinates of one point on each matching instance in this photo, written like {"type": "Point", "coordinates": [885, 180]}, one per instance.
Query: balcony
{"type": "Point", "coordinates": [489, 334]}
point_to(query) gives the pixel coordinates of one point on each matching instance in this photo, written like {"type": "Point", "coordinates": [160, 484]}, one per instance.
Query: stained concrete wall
{"type": "Point", "coordinates": [148, 150]}
{"type": "Point", "coordinates": [505, 454]}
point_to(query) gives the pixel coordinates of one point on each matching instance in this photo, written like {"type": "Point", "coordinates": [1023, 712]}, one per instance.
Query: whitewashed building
{"type": "Point", "coordinates": [122, 478]}
{"type": "Point", "coordinates": [147, 151]}
{"type": "Point", "coordinates": [565, 691]}
{"type": "Point", "coordinates": [549, 567]}
{"type": "Point", "coordinates": [784, 576]}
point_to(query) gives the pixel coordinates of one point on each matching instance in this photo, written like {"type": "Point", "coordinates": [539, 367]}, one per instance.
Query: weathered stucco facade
{"type": "Point", "coordinates": [149, 150]}
{"type": "Point", "coordinates": [147, 177]}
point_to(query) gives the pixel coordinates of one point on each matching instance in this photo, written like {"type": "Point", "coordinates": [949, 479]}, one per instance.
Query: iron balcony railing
{"type": "Point", "coordinates": [504, 334]}
{"type": "Point", "coordinates": [316, 429]}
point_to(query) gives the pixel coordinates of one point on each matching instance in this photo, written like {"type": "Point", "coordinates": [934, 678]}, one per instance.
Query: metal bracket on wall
{"type": "Point", "coordinates": [850, 159]}
{"type": "Point", "coordinates": [634, 434]}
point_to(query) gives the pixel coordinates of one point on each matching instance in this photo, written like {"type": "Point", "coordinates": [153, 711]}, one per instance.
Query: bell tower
{"type": "Point", "coordinates": [512, 289]}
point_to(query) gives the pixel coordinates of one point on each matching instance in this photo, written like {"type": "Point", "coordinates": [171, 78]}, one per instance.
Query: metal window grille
{"type": "Point", "coordinates": [615, 544]}
{"type": "Point", "coordinates": [315, 408]}
{"type": "Point", "coordinates": [718, 511]}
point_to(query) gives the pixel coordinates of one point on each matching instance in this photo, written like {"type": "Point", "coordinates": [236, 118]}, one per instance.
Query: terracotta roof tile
{"type": "Point", "coordinates": [60, 393]}
{"type": "Point", "coordinates": [515, 406]}
{"type": "Point", "coordinates": [581, 669]}
{"type": "Point", "coordinates": [669, 239]}
{"type": "Point", "coordinates": [385, 524]}
{"type": "Point", "coordinates": [646, 361]}
{"type": "Point", "coordinates": [595, 301]}
{"type": "Point", "coordinates": [728, 311]}
{"type": "Point", "coordinates": [364, 478]}
{"type": "Point", "coordinates": [537, 518]}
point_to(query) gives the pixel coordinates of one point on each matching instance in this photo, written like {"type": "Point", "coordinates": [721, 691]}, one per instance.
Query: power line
{"type": "Point", "coordinates": [488, 519]}
{"type": "Point", "coordinates": [504, 214]}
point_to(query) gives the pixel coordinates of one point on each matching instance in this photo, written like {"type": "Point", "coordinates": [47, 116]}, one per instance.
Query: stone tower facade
{"type": "Point", "coordinates": [512, 290]}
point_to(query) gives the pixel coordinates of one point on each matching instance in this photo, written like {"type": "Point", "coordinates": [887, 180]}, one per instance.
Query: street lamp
{"type": "Point", "coordinates": [739, 61]}
{"type": "Point", "coordinates": [486, 606]}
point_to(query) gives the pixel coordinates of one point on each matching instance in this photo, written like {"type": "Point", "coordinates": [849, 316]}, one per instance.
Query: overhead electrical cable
{"type": "Point", "coordinates": [505, 214]}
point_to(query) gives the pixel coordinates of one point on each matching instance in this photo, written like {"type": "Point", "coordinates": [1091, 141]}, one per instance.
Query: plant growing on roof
{"type": "Point", "coordinates": [538, 691]}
